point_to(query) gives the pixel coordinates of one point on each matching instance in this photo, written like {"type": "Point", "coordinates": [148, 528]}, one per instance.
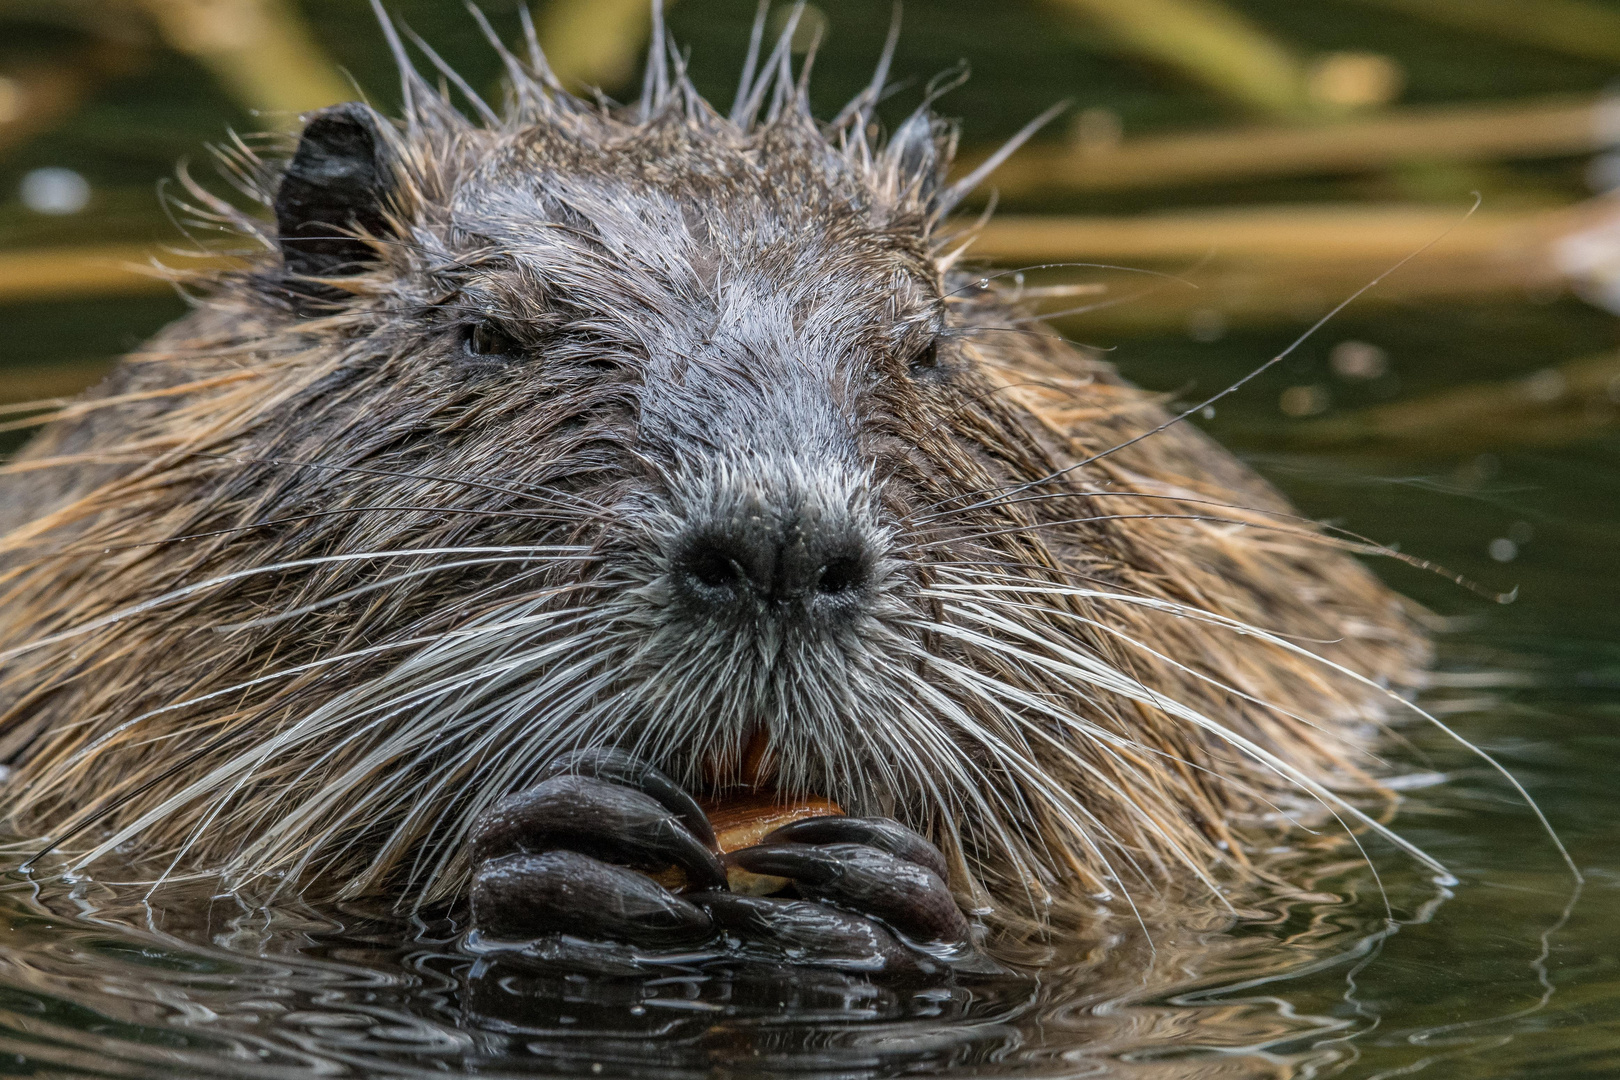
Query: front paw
{"type": "Point", "coordinates": [592, 852]}
{"type": "Point", "coordinates": [521, 897]}
{"type": "Point", "coordinates": [872, 867]}
{"type": "Point", "coordinates": [572, 855]}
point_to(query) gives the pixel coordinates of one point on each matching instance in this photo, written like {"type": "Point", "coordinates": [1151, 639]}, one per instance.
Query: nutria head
{"type": "Point", "coordinates": [661, 429]}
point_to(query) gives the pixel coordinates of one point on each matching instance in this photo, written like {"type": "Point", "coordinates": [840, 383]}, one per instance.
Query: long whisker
{"type": "Point", "coordinates": [1252, 375]}
{"type": "Point", "coordinates": [1347, 540]}
{"type": "Point", "coordinates": [101, 811]}
{"type": "Point", "coordinates": [317, 515]}
{"type": "Point", "coordinates": [1334, 804]}
{"type": "Point", "coordinates": [1233, 624]}
{"type": "Point", "coordinates": [527, 551]}
{"type": "Point", "coordinates": [564, 498]}
{"type": "Point", "coordinates": [315, 725]}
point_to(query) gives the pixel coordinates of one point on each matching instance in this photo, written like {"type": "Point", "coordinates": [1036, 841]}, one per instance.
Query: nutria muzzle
{"type": "Point", "coordinates": [788, 565]}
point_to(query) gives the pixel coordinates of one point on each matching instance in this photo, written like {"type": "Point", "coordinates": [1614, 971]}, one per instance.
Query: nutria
{"type": "Point", "coordinates": [680, 448]}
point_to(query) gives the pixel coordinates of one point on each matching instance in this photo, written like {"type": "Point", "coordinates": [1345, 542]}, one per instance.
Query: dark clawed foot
{"type": "Point", "coordinates": [563, 892]}
{"type": "Point", "coordinates": [799, 931]}
{"type": "Point", "coordinates": [856, 877]}
{"type": "Point", "coordinates": [570, 858]}
{"type": "Point", "coordinates": [595, 818]}
{"type": "Point", "coordinates": [562, 857]}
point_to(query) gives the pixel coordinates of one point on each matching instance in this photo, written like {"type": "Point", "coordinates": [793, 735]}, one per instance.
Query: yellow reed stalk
{"type": "Point", "coordinates": [1576, 27]}
{"type": "Point", "coordinates": [1552, 127]}
{"type": "Point", "coordinates": [1264, 234]}
{"type": "Point", "coordinates": [261, 50]}
{"type": "Point", "coordinates": [89, 270]}
{"type": "Point", "coordinates": [1209, 42]}
{"type": "Point", "coordinates": [1261, 265]}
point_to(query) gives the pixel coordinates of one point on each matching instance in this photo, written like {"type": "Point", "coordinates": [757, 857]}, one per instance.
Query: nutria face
{"type": "Point", "coordinates": [713, 400]}
{"type": "Point", "coordinates": [670, 432]}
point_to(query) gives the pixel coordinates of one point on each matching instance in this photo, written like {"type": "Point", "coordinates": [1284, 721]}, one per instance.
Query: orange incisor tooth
{"type": "Point", "coordinates": [742, 818]}
{"type": "Point", "coordinates": [744, 822]}
{"type": "Point", "coordinates": [754, 754]}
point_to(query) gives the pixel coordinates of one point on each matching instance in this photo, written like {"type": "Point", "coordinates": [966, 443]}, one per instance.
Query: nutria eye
{"type": "Point", "coordinates": [487, 339]}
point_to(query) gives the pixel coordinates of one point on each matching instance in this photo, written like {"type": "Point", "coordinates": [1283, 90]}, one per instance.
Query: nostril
{"type": "Point", "coordinates": [712, 568]}
{"type": "Point", "coordinates": [750, 571]}
{"type": "Point", "coordinates": [842, 574]}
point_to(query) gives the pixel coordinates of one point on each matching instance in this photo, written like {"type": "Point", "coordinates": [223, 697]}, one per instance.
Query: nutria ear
{"type": "Point", "coordinates": [337, 182]}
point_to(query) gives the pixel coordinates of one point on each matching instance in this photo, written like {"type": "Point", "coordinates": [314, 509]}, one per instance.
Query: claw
{"type": "Point", "coordinates": [908, 897]}
{"type": "Point", "coordinates": [563, 892]}
{"type": "Point", "coordinates": [616, 766]}
{"type": "Point", "coordinates": [799, 931]}
{"type": "Point", "coordinates": [885, 834]}
{"type": "Point", "coordinates": [605, 820]}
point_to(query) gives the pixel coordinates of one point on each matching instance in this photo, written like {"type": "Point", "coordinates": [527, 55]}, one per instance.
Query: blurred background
{"type": "Point", "coordinates": [1272, 156]}
{"type": "Point", "coordinates": [1262, 160]}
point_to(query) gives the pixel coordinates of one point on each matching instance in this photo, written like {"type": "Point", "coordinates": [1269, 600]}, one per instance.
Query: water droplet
{"type": "Point", "coordinates": [1358, 360]}
{"type": "Point", "coordinates": [1303, 401]}
{"type": "Point", "coordinates": [54, 191]}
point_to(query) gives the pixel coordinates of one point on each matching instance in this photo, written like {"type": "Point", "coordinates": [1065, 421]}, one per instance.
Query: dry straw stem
{"type": "Point", "coordinates": [48, 387]}
{"type": "Point", "coordinates": [101, 270]}
{"type": "Point", "coordinates": [1210, 43]}
{"type": "Point", "coordinates": [260, 49]}
{"type": "Point", "coordinates": [1552, 407]}
{"type": "Point", "coordinates": [1575, 27]}
{"type": "Point", "coordinates": [1264, 234]}
{"type": "Point", "coordinates": [1281, 264]}
{"type": "Point", "coordinates": [1552, 127]}
{"type": "Point", "coordinates": [593, 43]}
{"type": "Point", "coordinates": [1262, 264]}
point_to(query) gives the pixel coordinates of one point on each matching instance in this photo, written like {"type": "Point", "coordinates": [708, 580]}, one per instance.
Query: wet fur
{"type": "Point", "coordinates": [304, 587]}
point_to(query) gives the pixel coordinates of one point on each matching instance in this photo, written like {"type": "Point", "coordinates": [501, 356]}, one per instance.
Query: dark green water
{"type": "Point", "coordinates": [1504, 970]}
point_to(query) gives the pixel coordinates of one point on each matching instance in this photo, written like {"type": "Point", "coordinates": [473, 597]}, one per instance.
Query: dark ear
{"type": "Point", "coordinates": [337, 181]}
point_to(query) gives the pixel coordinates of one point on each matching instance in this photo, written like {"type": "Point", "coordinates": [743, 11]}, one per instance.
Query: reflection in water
{"type": "Point", "coordinates": [94, 981]}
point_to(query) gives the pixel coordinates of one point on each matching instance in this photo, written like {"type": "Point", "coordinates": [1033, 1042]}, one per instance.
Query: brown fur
{"type": "Point", "coordinates": [260, 432]}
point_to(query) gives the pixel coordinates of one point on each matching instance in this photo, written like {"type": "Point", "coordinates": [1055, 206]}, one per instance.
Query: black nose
{"type": "Point", "coordinates": [757, 562]}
